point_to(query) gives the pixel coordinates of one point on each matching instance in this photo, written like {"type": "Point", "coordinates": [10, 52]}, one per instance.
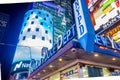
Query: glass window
{"type": "Point", "coordinates": [28, 18]}
{"type": "Point", "coordinates": [47, 15]}
{"type": "Point", "coordinates": [36, 17]}
{"type": "Point", "coordinates": [46, 31]}
{"type": "Point", "coordinates": [41, 23]}
{"type": "Point", "coordinates": [39, 12]}
{"type": "Point", "coordinates": [50, 22]}
{"type": "Point", "coordinates": [95, 71]}
{"type": "Point", "coordinates": [21, 32]}
{"type": "Point", "coordinates": [32, 12]}
{"type": "Point", "coordinates": [24, 37]}
{"type": "Point", "coordinates": [44, 18]}
{"type": "Point", "coordinates": [32, 22]}
{"type": "Point", "coordinates": [43, 38]}
{"type": "Point", "coordinates": [25, 24]}
{"type": "Point", "coordinates": [37, 29]}
{"type": "Point", "coordinates": [50, 41]}
{"type": "Point", "coordinates": [29, 29]}
{"type": "Point", "coordinates": [33, 36]}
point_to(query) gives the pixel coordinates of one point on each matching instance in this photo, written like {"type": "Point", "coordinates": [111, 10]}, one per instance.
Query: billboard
{"type": "Point", "coordinates": [42, 25]}
{"type": "Point", "coordinates": [105, 14]}
{"type": "Point", "coordinates": [85, 30]}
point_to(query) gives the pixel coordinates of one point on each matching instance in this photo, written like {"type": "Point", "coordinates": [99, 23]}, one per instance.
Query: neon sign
{"type": "Point", "coordinates": [107, 42]}
{"type": "Point", "coordinates": [62, 40]}
{"type": "Point", "coordinates": [84, 25]}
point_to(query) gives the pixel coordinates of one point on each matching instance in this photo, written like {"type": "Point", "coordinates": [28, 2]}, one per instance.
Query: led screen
{"type": "Point", "coordinates": [42, 24]}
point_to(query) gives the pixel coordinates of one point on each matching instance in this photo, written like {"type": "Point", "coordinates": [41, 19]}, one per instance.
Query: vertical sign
{"type": "Point", "coordinates": [85, 30]}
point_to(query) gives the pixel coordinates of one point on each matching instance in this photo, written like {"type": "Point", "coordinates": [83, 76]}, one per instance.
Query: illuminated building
{"type": "Point", "coordinates": [72, 60]}
{"type": "Point", "coordinates": [35, 39]}
{"type": "Point", "coordinates": [67, 58]}
{"type": "Point", "coordinates": [62, 15]}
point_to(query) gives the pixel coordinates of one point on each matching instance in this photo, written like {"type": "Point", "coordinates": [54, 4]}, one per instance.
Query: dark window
{"type": "Point", "coordinates": [50, 41]}
{"type": "Point", "coordinates": [32, 22]}
{"type": "Point", "coordinates": [25, 24]}
{"type": "Point", "coordinates": [95, 71]}
{"type": "Point", "coordinates": [29, 29]}
{"type": "Point", "coordinates": [28, 18]}
{"type": "Point", "coordinates": [46, 31]}
{"type": "Point", "coordinates": [41, 23]}
{"type": "Point", "coordinates": [32, 12]}
{"type": "Point", "coordinates": [24, 37]}
{"type": "Point", "coordinates": [36, 17]}
{"type": "Point", "coordinates": [39, 12]}
{"type": "Point", "coordinates": [43, 38]}
{"type": "Point", "coordinates": [47, 15]}
{"type": "Point", "coordinates": [37, 29]}
{"type": "Point", "coordinates": [44, 18]}
{"type": "Point", "coordinates": [21, 32]}
{"type": "Point", "coordinates": [33, 36]}
{"type": "Point", "coordinates": [50, 22]}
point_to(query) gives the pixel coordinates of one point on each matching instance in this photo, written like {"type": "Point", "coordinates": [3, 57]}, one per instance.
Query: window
{"type": "Point", "coordinates": [50, 22]}
{"type": "Point", "coordinates": [39, 12]}
{"type": "Point", "coordinates": [25, 24]}
{"type": "Point", "coordinates": [24, 37]}
{"type": "Point", "coordinates": [21, 32]}
{"type": "Point", "coordinates": [94, 71]}
{"type": "Point", "coordinates": [37, 29]}
{"type": "Point", "coordinates": [46, 31]}
{"type": "Point", "coordinates": [41, 23]}
{"type": "Point", "coordinates": [29, 29]}
{"type": "Point", "coordinates": [50, 41]}
{"type": "Point", "coordinates": [47, 15]}
{"type": "Point", "coordinates": [44, 18]}
{"type": "Point", "coordinates": [33, 36]}
{"type": "Point", "coordinates": [28, 18]}
{"type": "Point", "coordinates": [32, 22]}
{"type": "Point", "coordinates": [43, 38]}
{"type": "Point", "coordinates": [36, 17]}
{"type": "Point", "coordinates": [32, 12]}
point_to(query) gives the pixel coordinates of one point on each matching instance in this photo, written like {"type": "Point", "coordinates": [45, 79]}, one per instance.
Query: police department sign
{"type": "Point", "coordinates": [85, 30]}
{"type": "Point", "coordinates": [79, 18]}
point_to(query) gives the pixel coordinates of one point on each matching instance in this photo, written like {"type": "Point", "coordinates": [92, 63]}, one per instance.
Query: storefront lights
{"type": "Point", "coordinates": [96, 55]}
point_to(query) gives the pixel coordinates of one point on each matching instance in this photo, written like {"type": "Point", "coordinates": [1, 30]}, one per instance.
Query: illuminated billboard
{"type": "Point", "coordinates": [42, 25]}
{"type": "Point", "coordinates": [108, 11]}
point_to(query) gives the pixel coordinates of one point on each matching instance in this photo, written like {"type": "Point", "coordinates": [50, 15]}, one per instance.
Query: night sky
{"type": "Point", "coordinates": [16, 14]}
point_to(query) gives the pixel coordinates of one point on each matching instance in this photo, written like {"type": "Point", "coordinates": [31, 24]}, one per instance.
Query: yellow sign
{"type": "Point", "coordinates": [113, 31]}
{"type": "Point", "coordinates": [107, 9]}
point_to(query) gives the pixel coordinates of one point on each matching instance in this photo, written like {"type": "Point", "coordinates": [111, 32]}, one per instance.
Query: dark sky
{"type": "Point", "coordinates": [16, 14]}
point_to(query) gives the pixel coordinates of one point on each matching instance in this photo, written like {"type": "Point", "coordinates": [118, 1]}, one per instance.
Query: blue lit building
{"type": "Point", "coordinates": [55, 51]}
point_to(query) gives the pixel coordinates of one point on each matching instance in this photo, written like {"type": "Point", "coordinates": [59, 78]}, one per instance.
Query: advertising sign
{"type": "Point", "coordinates": [85, 30]}
{"type": "Point", "coordinates": [20, 66]}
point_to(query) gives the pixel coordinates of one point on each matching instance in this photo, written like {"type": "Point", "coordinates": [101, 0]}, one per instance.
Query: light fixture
{"type": "Point", "coordinates": [60, 59]}
{"type": "Point", "coordinates": [38, 74]}
{"type": "Point", "coordinates": [115, 50]}
{"type": "Point", "coordinates": [44, 70]}
{"type": "Point", "coordinates": [73, 50]}
{"type": "Point", "coordinates": [50, 66]}
{"type": "Point", "coordinates": [96, 55]}
{"type": "Point", "coordinates": [113, 59]}
{"type": "Point", "coordinates": [101, 47]}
